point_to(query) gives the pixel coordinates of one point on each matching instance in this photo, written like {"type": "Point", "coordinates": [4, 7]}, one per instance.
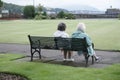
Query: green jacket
{"type": "Point", "coordinates": [80, 34]}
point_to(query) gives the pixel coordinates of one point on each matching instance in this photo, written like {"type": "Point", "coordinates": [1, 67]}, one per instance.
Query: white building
{"type": "Point", "coordinates": [5, 13]}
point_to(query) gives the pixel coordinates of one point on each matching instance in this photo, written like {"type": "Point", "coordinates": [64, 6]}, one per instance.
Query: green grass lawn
{"type": "Point", "coordinates": [44, 71]}
{"type": "Point", "coordinates": [104, 32]}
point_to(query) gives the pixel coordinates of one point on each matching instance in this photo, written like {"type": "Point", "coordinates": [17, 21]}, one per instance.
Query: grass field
{"type": "Point", "coordinates": [104, 32]}
{"type": "Point", "coordinates": [44, 71]}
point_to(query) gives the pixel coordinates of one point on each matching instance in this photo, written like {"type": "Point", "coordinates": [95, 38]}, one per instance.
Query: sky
{"type": "Point", "coordinates": [69, 4]}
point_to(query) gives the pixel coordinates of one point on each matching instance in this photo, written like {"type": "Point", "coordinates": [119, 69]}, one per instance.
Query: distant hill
{"type": "Point", "coordinates": [54, 9]}
{"type": "Point", "coordinates": [81, 7]}
{"type": "Point", "coordinates": [13, 8]}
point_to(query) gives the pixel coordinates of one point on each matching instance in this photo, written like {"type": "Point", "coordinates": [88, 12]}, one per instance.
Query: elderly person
{"type": "Point", "coordinates": [61, 33]}
{"type": "Point", "coordinates": [80, 33]}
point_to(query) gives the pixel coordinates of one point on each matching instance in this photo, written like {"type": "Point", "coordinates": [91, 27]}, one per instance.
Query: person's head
{"type": "Point", "coordinates": [81, 27]}
{"type": "Point", "coordinates": [61, 26]}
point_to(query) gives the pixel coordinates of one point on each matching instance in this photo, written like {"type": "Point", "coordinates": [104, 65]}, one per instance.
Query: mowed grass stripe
{"type": "Point", "coordinates": [103, 32]}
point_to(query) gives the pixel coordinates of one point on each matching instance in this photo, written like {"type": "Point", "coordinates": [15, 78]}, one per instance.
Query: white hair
{"type": "Point", "coordinates": [81, 27]}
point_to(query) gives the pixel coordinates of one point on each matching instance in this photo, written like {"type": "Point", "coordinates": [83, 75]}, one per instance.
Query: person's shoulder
{"type": "Point", "coordinates": [56, 33]}
{"type": "Point", "coordinates": [61, 33]}
{"type": "Point", "coordinates": [74, 33]}
{"type": "Point", "coordinates": [65, 34]}
{"type": "Point", "coordinates": [84, 33]}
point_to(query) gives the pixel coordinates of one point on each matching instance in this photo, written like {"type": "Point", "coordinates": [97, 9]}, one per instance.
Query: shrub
{"type": "Point", "coordinates": [119, 16]}
{"type": "Point", "coordinates": [29, 11]}
{"type": "Point", "coordinates": [39, 17]}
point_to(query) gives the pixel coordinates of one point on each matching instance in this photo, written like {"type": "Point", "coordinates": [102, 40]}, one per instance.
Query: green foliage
{"type": "Point", "coordinates": [52, 16]}
{"type": "Point", "coordinates": [39, 17]}
{"type": "Point", "coordinates": [69, 16]}
{"type": "Point", "coordinates": [29, 11]}
{"type": "Point", "coordinates": [1, 3]}
{"type": "Point", "coordinates": [44, 13]}
{"type": "Point", "coordinates": [40, 9]}
{"type": "Point", "coordinates": [119, 16]}
{"type": "Point", "coordinates": [61, 14]}
{"type": "Point", "coordinates": [44, 17]}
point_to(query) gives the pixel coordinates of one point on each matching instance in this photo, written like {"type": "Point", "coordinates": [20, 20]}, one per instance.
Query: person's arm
{"type": "Point", "coordinates": [88, 39]}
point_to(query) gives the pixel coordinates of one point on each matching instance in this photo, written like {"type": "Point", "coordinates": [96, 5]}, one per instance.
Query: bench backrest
{"type": "Point", "coordinates": [79, 44]}
{"type": "Point", "coordinates": [42, 42]}
{"type": "Point", "coordinates": [74, 44]}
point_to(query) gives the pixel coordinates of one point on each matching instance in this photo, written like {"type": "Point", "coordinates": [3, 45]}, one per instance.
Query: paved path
{"type": "Point", "coordinates": [55, 56]}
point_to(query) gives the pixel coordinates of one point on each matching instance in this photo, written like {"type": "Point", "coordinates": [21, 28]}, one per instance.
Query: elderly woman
{"type": "Point", "coordinates": [61, 33]}
{"type": "Point", "coordinates": [80, 33]}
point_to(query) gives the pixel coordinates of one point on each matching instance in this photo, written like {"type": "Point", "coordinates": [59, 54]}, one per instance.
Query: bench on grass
{"type": "Point", "coordinates": [73, 44]}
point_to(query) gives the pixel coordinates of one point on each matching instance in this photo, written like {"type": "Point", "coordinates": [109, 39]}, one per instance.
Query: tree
{"type": "Point", "coordinates": [44, 13]}
{"type": "Point", "coordinates": [61, 14]}
{"type": "Point", "coordinates": [1, 3]}
{"type": "Point", "coordinates": [119, 16]}
{"type": "Point", "coordinates": [41, 14]}
{"type": "Point", "coordinates": [29, 11]}
{"type": "Point", "coordinates": [40, 8]}
{"type": "Point", "coordinates": [69, 16]}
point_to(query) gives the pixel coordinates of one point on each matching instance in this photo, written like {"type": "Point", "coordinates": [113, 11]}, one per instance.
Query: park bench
{"type": "Point", "coordinates": [56, 43]}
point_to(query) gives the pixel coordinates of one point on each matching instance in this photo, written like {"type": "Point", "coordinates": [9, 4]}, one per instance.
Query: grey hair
{"type": "Point", "coordinates": [81, 27]}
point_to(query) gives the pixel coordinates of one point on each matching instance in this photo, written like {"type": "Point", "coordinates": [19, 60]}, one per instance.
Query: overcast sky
{"type": "Point", "coordinates": [99, 4]}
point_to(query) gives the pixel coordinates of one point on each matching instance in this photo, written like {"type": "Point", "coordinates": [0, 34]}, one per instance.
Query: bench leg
{"type": "Point", "coordinates": [86, 59]}
{"type": "Point", "coordinates": [35, 50]}
{"type": "Point", "coordinates": [39, 53]}
{"type": "Point", "coordinates": [32, 55]}
{"type": "Point", "coordinates": [92, 59]}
